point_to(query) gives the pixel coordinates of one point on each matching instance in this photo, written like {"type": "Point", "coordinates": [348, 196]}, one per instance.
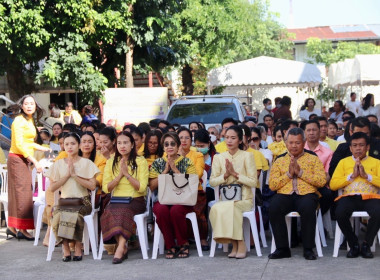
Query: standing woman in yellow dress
{"type": "Point", "coordinates": [233, 167]}
{"type": "Point", "coordinates": [21, 155]}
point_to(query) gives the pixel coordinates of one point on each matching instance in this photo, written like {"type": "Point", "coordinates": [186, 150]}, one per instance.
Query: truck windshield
{"type": "Point", "coordinates": [208, 113]}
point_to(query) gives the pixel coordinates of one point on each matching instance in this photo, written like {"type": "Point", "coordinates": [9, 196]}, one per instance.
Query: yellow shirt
{"type": "Point", "coordinates": [367, 188]}
{"type": "Point", "coordinates": [313, 175]}
{"type": "Point", "coordinates": [221, 147]}
{"type": "Point", "coordinates": [23, 134]}
{"type": "Point", "coordinates": [3, 159]}
{"type": "Point", "coordinates": [277, 148]}
{"type": "Point", "coordinates": [140, 152]}
{"type": "Point", "coordinates": [332, 143]}
{"type": "Point", "coordinates": [125, 188]}
{"type": "Point", "coordinates": [74, 115]}
{"type": "Point", "coordinates": [243, 163]}
{"type": "Point", "coordinates": [199, 163]}
{"type": "Point", "coordinates": [260, 160]}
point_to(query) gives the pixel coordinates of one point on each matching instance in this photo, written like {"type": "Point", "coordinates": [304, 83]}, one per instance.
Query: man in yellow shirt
{"type": "Point", "coordinates": [295, 176]}
{"type": "Point", "coordinates": [359, 177]}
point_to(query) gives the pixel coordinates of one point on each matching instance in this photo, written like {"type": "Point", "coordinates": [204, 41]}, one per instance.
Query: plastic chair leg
{"type": "Point", "coordinates": [101, 247]}
{"type": "Point", "coordinates": [252, 221]}
{"type": "Point", "coordinates": [288, 221]}
{"type": "Point", "coordinates": [193, 218]}
{"type": "Point", "coordinates": [262, 231]}
{"type": "Point", "coordinates": [337, 240]}
{"type": "Point", "coordinates": [246, 234]}
{"type": "Point", "coordinates": [318, 242]}
{"type": "Point", "coordinates": [40, 213]}
{"type": "Point", "coordinates": [321, 228]}
{"type": "Point", "coordinates": [89, 224]}
{"type": "Point", "coordinates": [212, 247]}
{"type": "Point", "coordinates": [156, 241]}
{"type": "Point", "coordinates": [51, 245]}
{"type": "Point", "coordinates": [139, 220]}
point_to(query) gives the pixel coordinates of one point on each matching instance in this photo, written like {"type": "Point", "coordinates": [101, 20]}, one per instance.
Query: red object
{"type": "Point", "coordinates": [171, 219]}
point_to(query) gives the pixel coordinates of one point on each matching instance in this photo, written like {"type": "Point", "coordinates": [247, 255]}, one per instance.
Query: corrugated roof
{"type": "Point", "coordinates": [335, 33]}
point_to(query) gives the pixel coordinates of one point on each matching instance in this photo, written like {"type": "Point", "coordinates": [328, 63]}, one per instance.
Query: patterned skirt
{"type": "Point", "coordinates": [20, 193]}
{"type": "Point", "coordinates": [117, 218]}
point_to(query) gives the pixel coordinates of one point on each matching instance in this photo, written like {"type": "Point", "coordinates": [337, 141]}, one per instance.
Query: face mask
{"type": "Point", "coordinates": [269, 107]}
{"type": "Point", "coordinates": [221, 139]}
{"type": "Point", "coordinates": [203, 150]}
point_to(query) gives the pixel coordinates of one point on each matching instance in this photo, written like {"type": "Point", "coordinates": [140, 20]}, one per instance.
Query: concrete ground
{"type": "Point", "coordinates": [21, 260]}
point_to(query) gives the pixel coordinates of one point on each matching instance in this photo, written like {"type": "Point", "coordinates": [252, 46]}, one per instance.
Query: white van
{"type": "Point", "coordinates": [208, 109]}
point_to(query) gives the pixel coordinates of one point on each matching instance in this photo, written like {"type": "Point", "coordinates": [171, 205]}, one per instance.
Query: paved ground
{"type": "Point", "coordinates": [21, 260]}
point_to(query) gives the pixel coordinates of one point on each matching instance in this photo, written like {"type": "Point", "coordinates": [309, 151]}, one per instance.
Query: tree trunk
{"type": "Point", "coordinates": [17, 81]}
{"type": "Point", "coordinates": [187, 80]}
{"type": "Point", "coordinates": [129, 63]}
{"type": "Point", "coordinates": [129, 56]}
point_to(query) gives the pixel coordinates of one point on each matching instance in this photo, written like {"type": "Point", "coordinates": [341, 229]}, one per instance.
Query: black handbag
{"type": "Point", "coordinates": [230, 192]}
{"type": "Point", "coordinates": [121, 200]}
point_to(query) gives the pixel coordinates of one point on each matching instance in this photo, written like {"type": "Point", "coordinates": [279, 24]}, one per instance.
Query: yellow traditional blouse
{"type": "Point", "coordinates": [277, 148]}
{"type": "Point", "coordinates": [74, 115]}
{"type": "Point", "coordinates": [199, 163]}
{"type": "Point", "coordinates": [332, 143]}
{"type": "Point", "coordinates": [260, 160]}
{"type": "Point", "coordinates": [151, 159]}
{"type": "Point", "coordinates": [243, 163]}
{"type": "Point", "coordinates": [367, 188]}
{"type": "Point", "coordinates": [221, 147]}
{"type": "Point", "coordinates": [84, 168]}
{"type": "Point", "coordinates": [23, 134]}
{"type": "Point", "coordinates": [125, 188]}
{"type": "Point", "coordinates": [140, 152]}
{"type": "Point", "coordinates": [313, 175]}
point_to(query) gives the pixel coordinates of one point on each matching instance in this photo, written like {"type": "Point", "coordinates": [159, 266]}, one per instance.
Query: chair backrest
{"type": "Point", "coordinates": [3, 180]}
{"type": "Point", "coordinates": [204, 180]}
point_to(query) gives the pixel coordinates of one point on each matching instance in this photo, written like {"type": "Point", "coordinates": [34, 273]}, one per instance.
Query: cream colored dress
{"type": "Point", "coordinates": [226, 217]}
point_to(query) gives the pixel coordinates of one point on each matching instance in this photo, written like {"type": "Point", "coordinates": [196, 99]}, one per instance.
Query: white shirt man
{"type": "Point", "coordinates": [353, 105]}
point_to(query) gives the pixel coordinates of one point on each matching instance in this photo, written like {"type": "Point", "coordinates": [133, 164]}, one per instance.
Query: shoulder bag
{"type": "Point", "coordinates": [230, 192]}
{"type": "Point", "coordinates": [178, 189]}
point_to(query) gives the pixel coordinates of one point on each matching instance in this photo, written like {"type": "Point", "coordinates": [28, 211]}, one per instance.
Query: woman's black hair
{"type": "Point", "coordinates": [137, 131]}
{"type": "Point", "coordinates": [367, 101]}
{"type": "Point", "coordinates": [132, 155]}
{"type": "Point", "coordinates": [257, 131]}
{"type": "Point", "coordinates": [93, 152]}
{"type": "Point", "coordinates": [202, 125]}
{"type": "Point", "coordinates": [144, 126]}
{"type": "Point", "coordinates": [62, 135]}
{"type": "Point", "coordinates": [182, 128]}
{"type": "Point", "coordinates": [149, 135]}
{"type": "Point", "coordinates": [71, 127]}
{"type": "Point", "coordinates": [277, 128]}
{"type": "Point", "coordinates": [74, 135]}
{"type": "Point", "coordinates": [246, 132]}
{"type": "Point", "coordinates": [172, 135]}
{"type": "Point", "coordinates": [239, 132]}
{"type": "Point", "coordinates": [203, 136]}
{"type": "Point", "coordinates": [129, 126]}
{"type": "Point", "coordinates": [264, 126]}
{"type": "Point", "coordinates": [39, 111]}
{"type": "Point", "coordinates": [109, 131]}
{"type": "Point", "coordinates": [347, 130]}
{"type": "Point", "coordinates": [307, 100]}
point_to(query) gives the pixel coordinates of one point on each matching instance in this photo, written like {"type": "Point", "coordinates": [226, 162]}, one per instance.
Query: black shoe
{"type": "Point", "coordinates": [20, 235]}
{"type": "Point", "coordinates": [205, 247]}
{"type": "Point", "coordinates": [280, 254]}
{"type": "Point", "coordinates": [354, 251]}
{"type": "Point", "coordinates": [308, 254]}
{"type": "Point", "coordinates": [77, 258]}
{"type": "Point", "coordinates": [67, 259]}
{"type": "Point", "coordinates": [366, 251]}
{"type": "Point", "coordinates": [9, 232]}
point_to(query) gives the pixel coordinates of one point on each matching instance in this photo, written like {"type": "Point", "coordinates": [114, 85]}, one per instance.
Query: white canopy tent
{"type": "Point", "coordinates": [265, 71]}
{"type": "Point", "coordinates": [365, 70]}
{"type": "Point", "coordinates": [332, 74]}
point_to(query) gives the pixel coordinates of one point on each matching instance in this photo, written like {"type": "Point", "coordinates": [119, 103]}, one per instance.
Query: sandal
{"type": "Point", "coordinates": [182, 254]}
{"type": "Point", "coordinates": [171, 253]}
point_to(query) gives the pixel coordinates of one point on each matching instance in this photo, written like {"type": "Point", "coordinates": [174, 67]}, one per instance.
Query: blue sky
{"type": "Point", "coordinates": [308, 13]}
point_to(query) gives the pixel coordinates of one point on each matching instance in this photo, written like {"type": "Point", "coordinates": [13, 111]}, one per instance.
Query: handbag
{"type": "Point", "coordinates": [230, 192]}
{"type": "Point", "coordinates": [178, 189]}
{"type": "Point", "coordinates": [73, 203]}
{"type": "Point", "coordinates": [121, 200]}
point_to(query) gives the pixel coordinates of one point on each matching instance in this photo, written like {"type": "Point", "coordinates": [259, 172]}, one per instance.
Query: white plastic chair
{"type": "Point", "coordinates": [88, 233]}
{"type": "Point", "coordinates": [249, 222]}
{"type": "Point", "coordinates": [288, 219]}
{"type": "Point", "coordinates": [142, 231]}
{"type": "Point", "coordinates": [4, 190]}
{"type": "Point", "coordinates": [204, 180]}
{"type": "Point", "coordinates": [158, 239]}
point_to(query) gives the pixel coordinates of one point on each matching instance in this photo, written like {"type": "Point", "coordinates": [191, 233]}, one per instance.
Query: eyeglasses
{"type": "Point", "coordinates": [184, 138]}
{"type": "Point", "coordinates": [171, 143]}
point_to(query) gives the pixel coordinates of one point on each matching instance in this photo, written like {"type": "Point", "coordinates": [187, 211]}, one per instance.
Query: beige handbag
{"type": "Point", "coordinates": [178, 189]}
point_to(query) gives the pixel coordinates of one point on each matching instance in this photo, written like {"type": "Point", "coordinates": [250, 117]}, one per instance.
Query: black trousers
{"type": "Point", "coordinates": [348, 204]}
{"type": "Point", "coordinates": [327, 199]}
{"type": "Point", "coordinates": [305, 205]}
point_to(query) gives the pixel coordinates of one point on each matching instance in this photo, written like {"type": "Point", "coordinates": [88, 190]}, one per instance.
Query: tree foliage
{"type": "Point", "coordinates": [324, 51]}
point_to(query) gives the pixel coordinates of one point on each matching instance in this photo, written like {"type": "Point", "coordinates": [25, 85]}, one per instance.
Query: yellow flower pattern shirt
{"type": "Point", "coordinates": [312, 175]}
